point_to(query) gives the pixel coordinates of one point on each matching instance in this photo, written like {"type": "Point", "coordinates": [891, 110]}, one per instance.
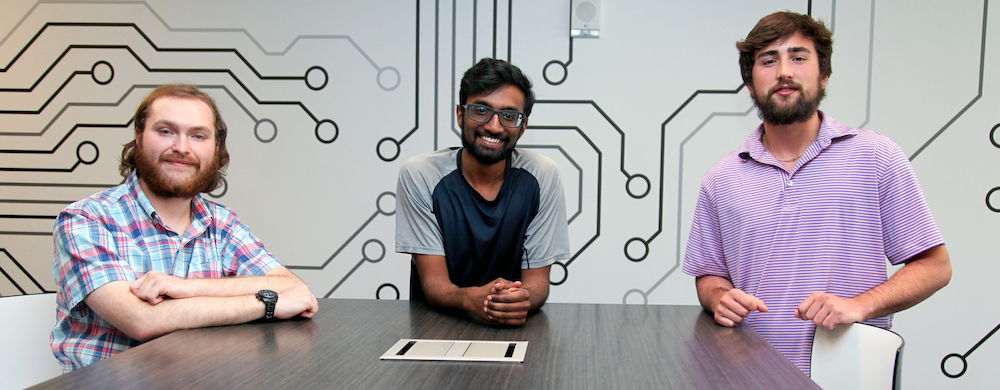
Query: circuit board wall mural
{"type": "Point", "coordinates": [325, 99]}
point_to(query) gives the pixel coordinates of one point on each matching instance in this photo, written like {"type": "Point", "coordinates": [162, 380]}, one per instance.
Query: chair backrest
{"type": "Point", "coordinates": [25, 324]}
{"type": "Point", "coordinates": [856, 356]}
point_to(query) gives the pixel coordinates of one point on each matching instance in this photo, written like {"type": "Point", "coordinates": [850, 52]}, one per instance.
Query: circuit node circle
{"type": "Point", "coordinates": [965, 365]}
{"type": "Point", "coordinates": [557, 266]}
{"type": "Point", "coordinates": [643, 181]}
{"type": "Point", "coordinates": [391, 156]}
{"type": "Point", "coordinates": [266, 127]}
{"type": "Point", "coordinates": [364, 251]}
{"type": "Point", "coordinates": [225, 188]}
{"type": "Point", "coordinates": [80, 150]}
{"type": "Point", "coordinates": [325, 126]}
{"type": "Point", "coordinates": [316, 73]}
{"type": "Point", "coordinates": [378, 291]}
{"type": "Point", "coordinates": [388, 78]}
{"type": "Point", "coordinates": [644, 246]}
{"type": "Point", "coordinates": [102, 72]}
{"type": "Point", "coordinates": [385, 210]}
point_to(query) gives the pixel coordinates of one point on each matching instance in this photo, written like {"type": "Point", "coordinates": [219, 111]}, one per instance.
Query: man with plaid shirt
{"type": "Point", "coordinates": [151, 256]}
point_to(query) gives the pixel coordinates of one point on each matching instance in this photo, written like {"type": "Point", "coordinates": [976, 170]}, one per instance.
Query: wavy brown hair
{"type": "Point", "coordinates": [128, 163]}
{"type": "Point", "coordinates": [779, 26]}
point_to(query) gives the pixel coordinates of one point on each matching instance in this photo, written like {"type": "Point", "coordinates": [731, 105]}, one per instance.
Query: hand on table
{"type": "Point", "coordinates": [506, 302]}
{"type": "Point", "coordinates": [735, 305]}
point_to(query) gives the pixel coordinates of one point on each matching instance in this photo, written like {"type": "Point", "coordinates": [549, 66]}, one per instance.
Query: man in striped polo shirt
{"type": "Point", "coordinates": [792, 230]}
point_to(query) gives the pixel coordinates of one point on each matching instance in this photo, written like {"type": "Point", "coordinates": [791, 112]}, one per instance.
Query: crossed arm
{"type": "Point", "coordinates": [922, 275]}
{"type": "Point", "coordinates": [501, 301]}
{"type": "Point", "coordinates": [157, 304]}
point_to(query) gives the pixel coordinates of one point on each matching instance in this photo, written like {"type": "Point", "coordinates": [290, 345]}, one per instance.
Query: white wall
{"type": "Point", "coordinates": [922, 74]}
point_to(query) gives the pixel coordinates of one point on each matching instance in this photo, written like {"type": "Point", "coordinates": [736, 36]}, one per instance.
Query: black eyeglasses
{"type": "Point", "coordinates": [484, 114]}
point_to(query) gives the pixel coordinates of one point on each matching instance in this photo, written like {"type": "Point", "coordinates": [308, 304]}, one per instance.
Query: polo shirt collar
{"type": "Point", "coordinates": [829, 131]}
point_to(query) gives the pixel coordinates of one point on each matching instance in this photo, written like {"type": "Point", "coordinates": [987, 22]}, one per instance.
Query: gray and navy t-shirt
{"type": "Point", "coordinates": [439, 213]}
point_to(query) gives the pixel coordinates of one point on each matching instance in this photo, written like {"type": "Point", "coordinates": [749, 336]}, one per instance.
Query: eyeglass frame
{"type": "Point", "coordinates": [520, 115]}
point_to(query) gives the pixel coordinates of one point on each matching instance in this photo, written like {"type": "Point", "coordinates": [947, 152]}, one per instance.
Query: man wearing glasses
{"type": "Point", "coordinates": [484, 222]}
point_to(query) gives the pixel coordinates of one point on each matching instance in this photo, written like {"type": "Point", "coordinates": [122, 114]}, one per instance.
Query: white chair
{"type": "Point", "coordinates": [856, 356]}
{"type": "Point", "coordinates": [25, 323]}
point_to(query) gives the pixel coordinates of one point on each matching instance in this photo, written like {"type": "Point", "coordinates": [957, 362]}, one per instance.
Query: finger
{"type": "Point", "coordinates": [761, 307]}
{"type": "Point", "coordinates": [510, 296]}
{"type": "Point", "coordinates": [731, 318]}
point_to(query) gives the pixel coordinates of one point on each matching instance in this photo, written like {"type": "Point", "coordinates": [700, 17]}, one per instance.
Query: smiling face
{"type": "Point", "coordinates": [787, 84]}
{"type": "Point", "coordinates": [176, 151]}
{"type": "Point", "coordinates": [491, 142]}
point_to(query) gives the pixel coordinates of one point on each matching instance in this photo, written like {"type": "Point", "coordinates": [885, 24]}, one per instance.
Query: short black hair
{"type": "Point", "coordinates": [489, 75]}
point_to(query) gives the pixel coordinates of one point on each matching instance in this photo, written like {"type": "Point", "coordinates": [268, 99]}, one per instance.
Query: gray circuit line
{"type": "Point", "coordinates": [344, 279]}
{"type": "Point", "coordinates": [342, 246]}
{"type": "Point", "coordinates": [211, 30]}
{"type": "Point", "coordinates": [579, 198]}
{"type": "Point", "coordinates": [982, 67]}
{"type": "Point", "coordinates": [833, 15]}
{"type": "Point", "coordinates": [454, 45]}
{"type": "Point", "coordinates": [871, 54]}
{"type": "Point", "coordinates": [680, 192]}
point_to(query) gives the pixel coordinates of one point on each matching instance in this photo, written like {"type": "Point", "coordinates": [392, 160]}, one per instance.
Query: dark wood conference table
{"type": "Point", "coordinates": [570, 346]}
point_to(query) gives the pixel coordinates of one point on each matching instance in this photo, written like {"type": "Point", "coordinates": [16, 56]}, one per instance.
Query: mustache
{"type": "Point", "coordinates": [190, 160]}
{"type": "Point", "coordinates": [783, 84]}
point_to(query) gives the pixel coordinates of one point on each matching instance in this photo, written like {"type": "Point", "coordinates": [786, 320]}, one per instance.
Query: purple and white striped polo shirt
{"type": "Point", "coordinates": [851, 202]}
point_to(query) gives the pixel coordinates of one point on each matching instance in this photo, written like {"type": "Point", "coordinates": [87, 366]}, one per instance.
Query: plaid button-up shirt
{"type": "Point", "coordinates": [116, 235]}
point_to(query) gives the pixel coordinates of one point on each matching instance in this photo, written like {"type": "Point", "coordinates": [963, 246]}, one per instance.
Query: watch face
{"type": "Point", "coordinates": [267, 294]}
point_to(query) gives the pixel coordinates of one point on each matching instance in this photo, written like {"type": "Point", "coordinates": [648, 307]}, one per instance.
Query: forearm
{"type": "Point", "coordinates": [711, 288]}
{"type": "Point", "coordinates": [917, 280]}
{"type": "Point", "coordinates": [141, 320]}
{"type": "Point", "coordinates": [536, 281]}
{"type": "Point", "coordinates": [278, 279]}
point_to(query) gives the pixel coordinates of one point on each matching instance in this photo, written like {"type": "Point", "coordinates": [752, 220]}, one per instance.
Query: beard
{"type": "Point", "coordinates": [487, 156]}
{"type": "Point", "coordinates": [163, 185]}
{"type": "Point", "coordinates": [800, 111]}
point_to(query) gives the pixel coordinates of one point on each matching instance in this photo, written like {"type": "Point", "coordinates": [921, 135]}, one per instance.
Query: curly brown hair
{"type": "Point", "coordinates": [128, 163]}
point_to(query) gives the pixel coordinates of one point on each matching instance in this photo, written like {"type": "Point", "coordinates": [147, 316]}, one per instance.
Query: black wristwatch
{"type": "Point", "coordinates": [270, 298]}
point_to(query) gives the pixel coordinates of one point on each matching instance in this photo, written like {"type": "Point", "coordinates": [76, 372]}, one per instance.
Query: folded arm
{"type": "Point", "coordinates": [116, 303]}
{"type": "Point", "coordinates": [501, 301]}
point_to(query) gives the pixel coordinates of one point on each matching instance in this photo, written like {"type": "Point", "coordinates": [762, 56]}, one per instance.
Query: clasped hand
{"type": "Point", "coordinates": [506, 302]}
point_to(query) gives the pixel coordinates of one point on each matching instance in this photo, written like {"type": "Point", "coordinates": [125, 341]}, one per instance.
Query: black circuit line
{"type": "Point", "coordinates": [606, 117]}
{"type": "Point", "coordinates": [979, 94]}
{"type": "Point", "coordinates": [26, 273]}
{"type": "Point", "coordinates": [31, 201]}
{"type": "Point", "coordinates": [64, 185]}
{"type": "Point", "coordinates": [158, 70]}
{"type": "Point", "coordinates": [510, 28]}
{"type": "Point", "coordinates": [11, 280]}
{"type": "Point", "coordinates": [15, 216]}
{"type": "Point", "coordinates": [663, 147]}
{"type": "Point", "coordinates": [579, 172]}
{"type": "Point", "coordinates": [600, 171]}
{"type": "Point", "coordinates": [437, 55]}
{"type": "Point", "coordinates": [494, 28]}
